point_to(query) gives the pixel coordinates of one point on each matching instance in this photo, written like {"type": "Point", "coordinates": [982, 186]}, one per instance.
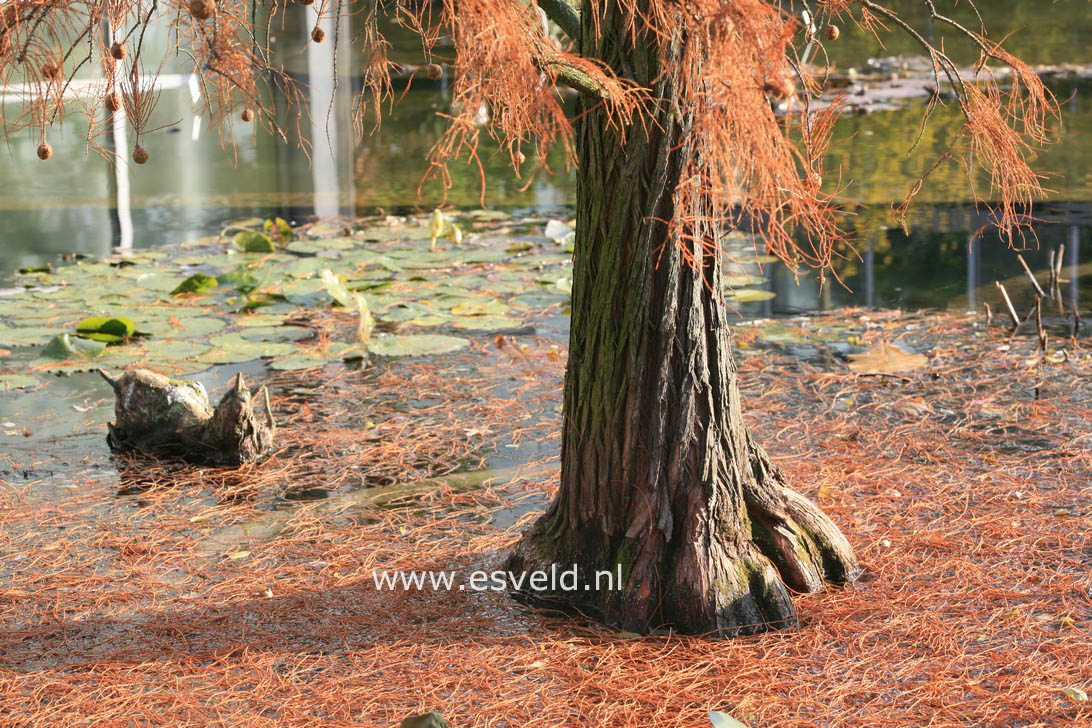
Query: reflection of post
{"type": "Point", "coordinates": [117, 143]}
{"type": "Point", "coordinates": [1073, 248]}
{"type": "Point", "coordinates": [870, 275]}
{"type": "Point", "coordinates": [972, 273]}
{"type": "Point", "coordinates": [330, 91]}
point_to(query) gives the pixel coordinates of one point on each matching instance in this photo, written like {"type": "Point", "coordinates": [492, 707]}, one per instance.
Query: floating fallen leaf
{"type": "Point", "coordinates": [885, 358]}
{"type": "Point", "coordinates": [1075, 694]}
{"type": "Point", "coordinates": [435, 227]}
{"type": "Point", "coordinates": [336, 288]}
{"type": "Point", "coordinates": [365, 324]}
{"type": "Point", "coordinates": [723, 720]}
{"type": "Point", "coordinates": [427, 720]}
{"type": "Point", "coordinates": [235, 556]}
{"type": "Point", "coordinates": [455, 235]}
{"type": "Point", "coordinates": [557, 231]}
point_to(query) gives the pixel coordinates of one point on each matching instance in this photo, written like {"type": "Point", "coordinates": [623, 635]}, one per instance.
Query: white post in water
{"type": "Point", "coordinates": [120, 137]}
{"type": "Point", "coordinates": [972, 272]}
{"type": "Point", "coordinates": [329, 89]}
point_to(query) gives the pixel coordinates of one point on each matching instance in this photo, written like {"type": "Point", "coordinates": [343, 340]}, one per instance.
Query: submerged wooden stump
{"type": "Point", "coordinates": [159, 415]}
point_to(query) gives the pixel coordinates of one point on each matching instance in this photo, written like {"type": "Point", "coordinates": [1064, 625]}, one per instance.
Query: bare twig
{"type": "Point", "coordinates": [1008, 305]}
{"type": "Point", "coordinates": [1031, 276]}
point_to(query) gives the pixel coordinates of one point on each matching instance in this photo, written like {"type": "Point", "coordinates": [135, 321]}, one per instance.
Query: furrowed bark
{"type": "Point", "coordinates": [660, 479]}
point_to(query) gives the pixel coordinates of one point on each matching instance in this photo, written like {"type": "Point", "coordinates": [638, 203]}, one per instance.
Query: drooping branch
{"type": "Point", "coordinates": [564, 14]}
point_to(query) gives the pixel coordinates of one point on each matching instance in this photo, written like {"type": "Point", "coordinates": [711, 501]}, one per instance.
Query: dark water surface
{"type": "Point", "coordinates": [191, 187]}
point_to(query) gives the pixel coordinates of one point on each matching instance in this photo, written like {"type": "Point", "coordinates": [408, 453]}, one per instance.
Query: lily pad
{"type": "Point", "coordinates": [430, 319]}
{"type": "Point", "coordinates": [64, 346]}
{"type": "Point", "coordinates": [481, 307]}
{"type": "Point", "coordinates": [17, 381]}
{"type": "Point", "coordinates": [319, 246]}
{"type": "Point", "coordinates": [178, 349]}
{"type": "Point", "coordinates": [485, 323]}
{"type": "Point", "coordinates": [234, 349]}
{"type": "Point", "coordinates": [242, 281]}
{"type": "Point", "coordinates": [28, 335]}
{"type": "Point", "coordinates": [262, 319]}
{"type": "Point", "coordinates": [305, 292]}
{"type": "Point", "coordinates": [275, 333]}
{"type": "Point", "coordinates": [403, 312]}
{"type": "Point", "coordinates": [108, 330]}
{"type": "Point", "coordinates": [416, 345]}
{"type": "Point", "coordinates": [186, 326]}
{"type": "Point", "coordinates": [252, 241]}
{"type": "Point", "coordinates": [196, 283]}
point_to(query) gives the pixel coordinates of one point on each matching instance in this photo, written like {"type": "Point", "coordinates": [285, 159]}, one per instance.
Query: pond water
{"type": "Point", "coordinates": [80, 203]}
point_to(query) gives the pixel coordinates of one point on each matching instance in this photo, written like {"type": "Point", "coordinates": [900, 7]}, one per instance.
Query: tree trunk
{"type": "Point", "coordinates": [660, 480]}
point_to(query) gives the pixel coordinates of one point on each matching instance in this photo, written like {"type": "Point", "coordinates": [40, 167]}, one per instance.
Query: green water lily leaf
{"type": "Point", "coordinates": [317, 357]}
{"type": "Point", "coordinates": [171, 349]}
{"type": "Point", "coordinates": [104, 338]}
{"type": "Point", "coordinates": [275, 333]}
{"type": "Point", "coordinates": [243, 281]}
{"type": "Point", "coordinates": [297, 362]}
{"type": "Point", "coordinates": [482, 255]}
{"type": "Point", "coordinates": [304, 292]}
{"type": "Point", "coordinates": [403, 312]}
{"type": "Point", "coordinates": [485, 323]}
{"type": "Point", "coordinates": [252, 241]}
{"type": "Point", "coordinates": [416, 345]}
{"type": "Point", "coordinates": [17, 381]}
{"type": "Point", "coordinates": [751, 295]}
{"type": "Point", "coordinates": [184, 325]}
{"type": "Point", "coordinates": [118, 328]}
{"type": "Point", "coordinates": [313, 247]}
{"type": "Point", "coordinates": [482, 307]}
{"type": "Point", "coordinates": [430, 319]}
{"type": "Point", "coordinates": [196, 283]}
{"type": "Point", "coordinates": [262, 319]}
{"type": "Point", "coordinates": [64, 347]}
{"type": "Point", "coordinates": [234, 349]}
{"type": "Point", "coordinates": [28, 335]}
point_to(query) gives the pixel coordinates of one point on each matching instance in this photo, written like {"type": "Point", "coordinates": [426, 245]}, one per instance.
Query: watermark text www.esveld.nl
{"type": "Point", "coordinates": [552, 581]}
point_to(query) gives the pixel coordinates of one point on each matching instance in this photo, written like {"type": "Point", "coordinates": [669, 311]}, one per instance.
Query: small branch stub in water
{"type": "Point", "coordinates": [173, 417]}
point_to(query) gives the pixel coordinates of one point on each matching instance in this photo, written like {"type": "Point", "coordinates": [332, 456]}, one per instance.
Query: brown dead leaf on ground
{"type": "Point", "coordinates": [885, 358]}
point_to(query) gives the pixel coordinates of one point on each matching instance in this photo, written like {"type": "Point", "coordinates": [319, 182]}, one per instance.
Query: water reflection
{"type": "Point", "coordinates": [199, 178]}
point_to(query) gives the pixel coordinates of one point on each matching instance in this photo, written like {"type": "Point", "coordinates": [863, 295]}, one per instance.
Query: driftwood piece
{"type": "Point", "coordinates": [166, 416]}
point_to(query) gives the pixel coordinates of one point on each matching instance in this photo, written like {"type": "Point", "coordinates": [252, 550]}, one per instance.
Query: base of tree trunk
{"type": "Point", "coordinates": [716, 582]}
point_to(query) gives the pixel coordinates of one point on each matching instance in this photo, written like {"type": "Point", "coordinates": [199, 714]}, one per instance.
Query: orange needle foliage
{"type": "Point", "coordinates": [726, 59]}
